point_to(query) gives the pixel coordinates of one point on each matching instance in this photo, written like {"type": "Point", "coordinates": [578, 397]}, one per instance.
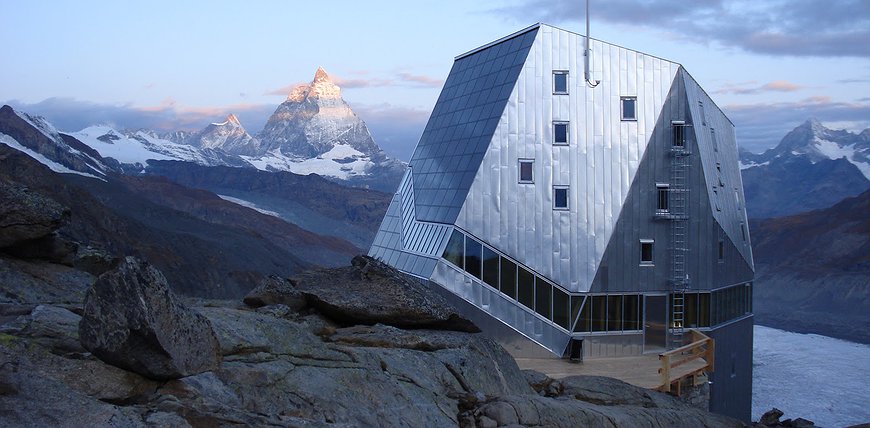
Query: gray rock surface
{"type": "Point", "coordinates": [590, 401]}
{"type": "Point", "coordinates": [26, 215]}
{"type": "Point", "coordinates": [36, 282]}
{"type": "Point", "coordinates": [287, 368]}
{"type": "Point", "coordinates": [274, 290]}
{"type": "Point", "coordinates": [133, 321]}
{"type": "Point", "coordinates": [370, 292]}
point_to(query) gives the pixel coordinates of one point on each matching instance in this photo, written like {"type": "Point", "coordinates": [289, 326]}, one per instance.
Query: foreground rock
{"type": "Point", "coordinates": [587, 401]}
{"type": "Point", "coordinates": [285, 365]}
{"type": "Point", "coordinates": [370, 292]}
{"type": "Point", "coordinates": [131, 320]}
{"type": "Point", "coordinates": [274, 290]}
{"type": "Point", "coordinates": [26, 215]}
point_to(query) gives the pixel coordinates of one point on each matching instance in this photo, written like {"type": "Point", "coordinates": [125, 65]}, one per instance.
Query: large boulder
{"type": "Point", "coordinates": [132, 320]}
{"type": "Point", "coordinates": [371, 292]}
{"type": "Point", "coordinates": [274, 290]}
{"type": "Point", "coordinates": [26, 215]}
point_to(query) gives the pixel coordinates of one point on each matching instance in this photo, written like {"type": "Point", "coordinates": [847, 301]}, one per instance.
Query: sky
{"type": "Point", "coordinates": [172, 65]}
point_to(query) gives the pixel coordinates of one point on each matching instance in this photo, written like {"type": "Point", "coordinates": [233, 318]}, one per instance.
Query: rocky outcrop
{"type": "Point", "coordinates": [771, 419]}
{"type": "Point", "coordinates": [587, 401]}
{"type": "Point", "coordinates": [290, 368]}
{"type": "Point", "coordinates": [132, 320]}
{"type": "Point", "coordinates": [370, 292]}
{"type": "Point", "coordinates": [27, 215]}
{"type": "Point", "coordinates": [274, 290]}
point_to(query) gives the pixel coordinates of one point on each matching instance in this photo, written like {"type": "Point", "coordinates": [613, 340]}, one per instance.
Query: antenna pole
{"type": "Point", "coordinates": [587, 53]}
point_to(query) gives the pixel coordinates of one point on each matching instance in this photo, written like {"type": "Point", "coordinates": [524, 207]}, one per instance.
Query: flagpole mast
{"type": "Point", "coordinates": [588, 54]}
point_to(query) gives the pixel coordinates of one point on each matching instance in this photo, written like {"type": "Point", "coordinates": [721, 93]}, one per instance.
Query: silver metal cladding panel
{"type": "Point", "coordinates": [501, 307]}
{"type": "Point", "coordinates": [422, 238]}
{"type": "Point", "coordinates": [426, 241]}
{"type": "Point", "coordinates": [620, 269]}
{"type": "Point", "coordinates": [717, 147]}
{"type": "Point", "coordinates": [599, 163]}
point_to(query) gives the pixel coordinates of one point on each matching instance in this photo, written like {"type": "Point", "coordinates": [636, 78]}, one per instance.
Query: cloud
{"type": "Point", "coordinates": [762, 125]}
{"type": "Point", "coordinates": [774, 27]}
{"type": "Point", "coordinates": [396, 129]}
{"type": "Point", "coordinates": [857, 80]}
{"type": "Point", "coordinates": [363, 80]}
{"type": "Point", "coordinates": [69, 114]}
{"type": "Point", "coordinates": [775, 86]}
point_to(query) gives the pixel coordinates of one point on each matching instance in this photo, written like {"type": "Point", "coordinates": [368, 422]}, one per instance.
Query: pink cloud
{"type": "Point", "coordinates": [745, 88]}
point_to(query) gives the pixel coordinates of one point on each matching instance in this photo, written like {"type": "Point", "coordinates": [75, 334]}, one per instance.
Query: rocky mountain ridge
{"type": "Point", "coordinates": [313, 131]}
{"type": "Point", "coordinates": [812, 167]}
{"type": "Point", "coordinates": [815, 264]}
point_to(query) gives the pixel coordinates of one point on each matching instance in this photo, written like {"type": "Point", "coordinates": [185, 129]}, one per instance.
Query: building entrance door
{"type": "Point", "coordinates": [655, 323]}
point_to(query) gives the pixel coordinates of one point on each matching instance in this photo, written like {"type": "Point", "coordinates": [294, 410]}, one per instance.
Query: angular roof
{"type": "Point", "coordinates": [462, 123]}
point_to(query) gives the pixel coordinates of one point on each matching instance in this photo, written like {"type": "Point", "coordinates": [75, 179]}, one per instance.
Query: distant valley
{"type": "Point", "coordinates": [808, 200]}
{"type": "Point", "coordinates": [215, 210]}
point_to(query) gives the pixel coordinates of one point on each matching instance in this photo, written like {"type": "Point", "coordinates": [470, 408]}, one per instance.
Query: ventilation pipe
{"type": "Point", "coordinates": [587, 53]}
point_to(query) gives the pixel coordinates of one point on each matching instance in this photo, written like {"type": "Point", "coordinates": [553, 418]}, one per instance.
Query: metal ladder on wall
{"type": "Point", "coordinates": [679, 215]}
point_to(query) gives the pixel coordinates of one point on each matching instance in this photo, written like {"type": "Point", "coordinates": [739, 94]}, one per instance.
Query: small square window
{"type": "Point", "coordinates": [629, 108]}
{"type": "Point", "coordinates": [560, 133]}
{"type": "Point", "coordinates": [679, 133]}
{"type": "Point", "coordinates": [663, 199]}
{"type": "Point", "coordinates": [560, 197]}
{"type": "Point", "coordinates": [527, 171]}
{"type": "Point", "coordinates": [646, 252]}
{"type": "Point", "coordinates": [560, 82]}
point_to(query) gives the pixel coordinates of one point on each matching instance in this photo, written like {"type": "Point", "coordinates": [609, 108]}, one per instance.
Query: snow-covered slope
{"type": "Point", "coordinates": [39, 139]}
{"type": "Point", "coordinates": [815, 142]}
{"type": "Point", "coordinates": [138, 147]}
{"type": "Point", "coordinates": [341, 161]}
{"type": "Point", "coordinates": [812, 167]}
{"type": "Point", "coordinates": [810, 376]}
{"type": "Point", "coordinates": [229, 136]}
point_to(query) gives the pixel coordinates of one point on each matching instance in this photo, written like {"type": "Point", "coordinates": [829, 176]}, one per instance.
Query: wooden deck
{"type": "Point", "coordinates": [640, 371]}
{"type": "Point", "coordinates": [646, 371]}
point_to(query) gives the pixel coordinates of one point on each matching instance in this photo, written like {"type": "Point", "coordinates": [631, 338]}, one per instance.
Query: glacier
{"type": "Point", "coordinates": [810, 376]}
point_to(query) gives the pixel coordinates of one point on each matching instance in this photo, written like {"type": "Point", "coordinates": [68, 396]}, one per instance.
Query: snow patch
{"type": "Point", "coordinates": [751, 164]}
{"type": "Point", "coordinates": [121, 148]}
{"type": "Point", "coordinates": [249, 204]}
{"type": "Point", "coordinates": [342, 161]}
{"type": "Point", "coordinates": [786, 364]}
{"type": "Point", "coordinates": [832, 150]}
{"type": "Point", "coordinates": [39, 157]}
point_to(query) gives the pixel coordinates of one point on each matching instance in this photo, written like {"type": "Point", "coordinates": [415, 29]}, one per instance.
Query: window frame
{"type": "Point", "coordinates": [622, 101]}
{"type": "Point", "coordinates": [660, 188]}
{"type": "Point", "coordinates": [567, 132]}
{"type": "Point", "coordinates": [651, 244]}
{"type": "Point", "coordinates": [567, 198]}
{"type": "Point", "coordinates": [520, 163]}
{"type": "Point", "coordinates": [561, 73]}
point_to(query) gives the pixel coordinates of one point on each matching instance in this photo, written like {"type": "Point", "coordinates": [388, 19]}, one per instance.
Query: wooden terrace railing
{"type": "Point", "coordinates": [692, 360]}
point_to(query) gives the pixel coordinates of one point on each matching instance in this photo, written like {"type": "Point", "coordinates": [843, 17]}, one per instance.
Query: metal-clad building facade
{"type": "Point", "coordinates": [611, 214]}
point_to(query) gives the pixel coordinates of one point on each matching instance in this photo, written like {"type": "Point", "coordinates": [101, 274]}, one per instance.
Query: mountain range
{"type": "Point", "coordinates": [313, 131]}
{"type": "Point", "coordinates": [208, 244]}
{"type": "Point", "coordinates": [812, 167]}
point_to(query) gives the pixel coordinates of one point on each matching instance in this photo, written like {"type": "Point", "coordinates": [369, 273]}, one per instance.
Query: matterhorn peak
{"type": "Point", "coordinates": [321, 76]}
{"type": "Point", "coordinates": [233, 120]}
{"type": "Point", "coordinates": [322, 87]}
